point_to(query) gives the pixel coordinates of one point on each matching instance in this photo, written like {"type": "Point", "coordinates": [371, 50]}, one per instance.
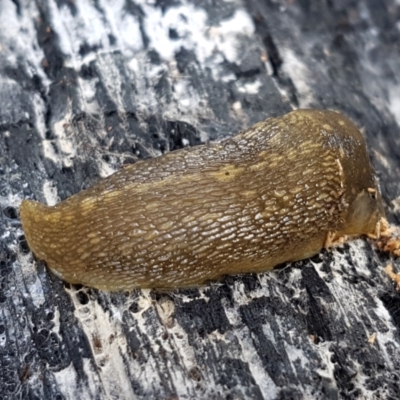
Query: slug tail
{"type": "Point", "coordinates": [48, 232]}
{"type": "Point", "coordinates": [35, 223]}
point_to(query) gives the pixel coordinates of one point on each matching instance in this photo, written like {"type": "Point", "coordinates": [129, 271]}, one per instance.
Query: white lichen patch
{"type": "Point", "coordinates": [108, 343]}
{"type": "Point", "coordinates": [50, 192]}
{"type": "Point", "coordinates": [300, 74]}
{"type": "Point", "coordinates": [67, 379]}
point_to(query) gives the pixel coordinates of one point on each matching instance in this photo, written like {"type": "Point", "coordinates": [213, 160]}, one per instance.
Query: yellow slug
{"type": "Point", "coordinates": [276, 192]}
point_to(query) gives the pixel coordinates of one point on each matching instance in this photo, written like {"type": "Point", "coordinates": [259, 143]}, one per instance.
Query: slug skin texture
{"type": "Point", "coordinates": [274, 193]}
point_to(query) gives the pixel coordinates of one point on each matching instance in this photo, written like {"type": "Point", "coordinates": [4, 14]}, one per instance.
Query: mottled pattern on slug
{"type": "Point", "coordinates": [268, 195]}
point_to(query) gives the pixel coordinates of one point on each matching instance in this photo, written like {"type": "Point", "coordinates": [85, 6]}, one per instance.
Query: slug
{"type": "Point", "coordinates": [277, 192]}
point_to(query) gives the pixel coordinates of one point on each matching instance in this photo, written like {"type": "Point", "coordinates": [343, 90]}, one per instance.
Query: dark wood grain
{"type": "Point", "coordinates": [86, 87]}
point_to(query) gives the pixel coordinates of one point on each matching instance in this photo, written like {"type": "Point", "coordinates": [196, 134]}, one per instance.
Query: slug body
{"type": "Point", "coordinates": [271, 194]}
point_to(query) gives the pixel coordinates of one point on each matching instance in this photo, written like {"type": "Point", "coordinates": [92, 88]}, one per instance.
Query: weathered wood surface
{"type": "Point", "coordinates": [86, 86]}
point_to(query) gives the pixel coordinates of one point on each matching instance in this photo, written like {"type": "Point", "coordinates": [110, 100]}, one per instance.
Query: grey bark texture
{"type": "Point", "coordinates": [87, 86]}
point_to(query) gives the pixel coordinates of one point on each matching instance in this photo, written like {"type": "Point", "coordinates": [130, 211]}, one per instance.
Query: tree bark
{"type": "Point", "coordinates": [86, 87]}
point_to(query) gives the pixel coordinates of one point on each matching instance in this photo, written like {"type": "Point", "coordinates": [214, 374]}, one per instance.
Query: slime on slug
{"type": "Point", "coordinates": [277, 192]}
